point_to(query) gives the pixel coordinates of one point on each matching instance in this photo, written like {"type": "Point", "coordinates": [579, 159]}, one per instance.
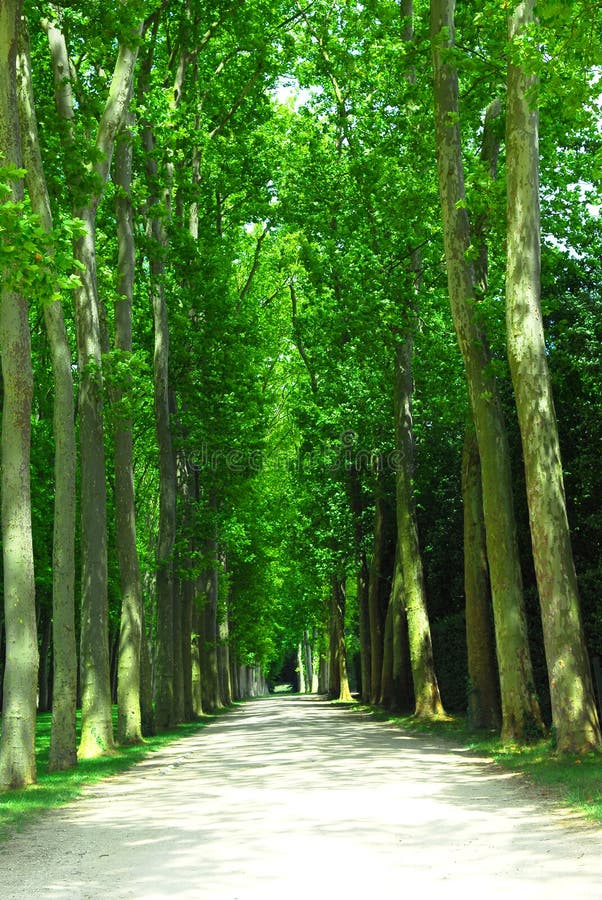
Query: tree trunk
{"type": "Point", "coordinates": [363, 580]}
{"type": "Point", "coordinates": [375, 606]}
{"type": "Point", "coordinates": [386, 681]}
{"type": "Point", "coordinates": [44, 627]}
{"type": "Point", "coordinates": [301, 670]}
{"type": "Point", "coordinates": [426, 689]}
{"type": "Point", "coordinates": [147, 716]}
{"type": "Point", "coordinates": [187, 588]}
{"type": "Point", "coordinates": [129, 723]}
{"type": "Point", "coordinates": [209, 632]}
{"type": "Point", "coordinates": [483, 698]}
{"type": "Point", "coordinates": [197, 692]}
{"type": "Point", "coordinates": [17, 743]}
{"type": "Point", "coordinates": [97, 730]}
{"type": "Point", "coordinates": [309, 663]}
{"type": "Point", "coordinates": [339, 683]}
{"type": "Point", "coordinates": [402, 695]}
{"type": "Point", "coordinates": [62, 753]}
{"type": "Point", "coordinates": [223, 659]}
{"type": "Point", "coordinates": [520, 709]}
{"type": "Point", "coordinates": [574, 713]}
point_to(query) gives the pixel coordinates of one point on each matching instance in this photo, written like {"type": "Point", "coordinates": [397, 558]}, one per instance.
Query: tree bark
{"type": "Point", "coordinates": [209, 632]}
{"type": "Point", "coordinates": [362, 580]}
{"type": "Point", "coordinates": [223, 658]}
{"type": "Point", "coordinates": [574, 712]}
{"type": "Point", "coordinates": [129, 723]}
{"type": "Point", "coordinates": [402, 695]}
{"type": "Point", "coordinates": [17, 743]}
{"type": "Point", "coordinates": [386, 680]}
{"type": "Point", "coordinates": [63, 746]}
{"type": "Point", "coordinates": [339, 683]}
{"type": "Point", "coordinates": [376, 616]}
{"type": "Point", "coordinates": [97, 730]}
{"type": "Point", "coordinates": [197, 691]}
{"type": "Point", "coordinates": [483, 696]}
{"type": "Point", "coordinates": [426, 689]}
{"type": "Point", "coordinates": [521, 718]}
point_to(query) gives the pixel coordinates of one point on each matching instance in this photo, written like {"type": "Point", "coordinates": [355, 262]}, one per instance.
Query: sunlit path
{"type": "Point", "coordinates": [296, 798]}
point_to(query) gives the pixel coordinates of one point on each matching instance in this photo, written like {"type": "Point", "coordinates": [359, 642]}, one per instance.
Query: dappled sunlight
{"type": "Point", "coordinates": [294, 797]}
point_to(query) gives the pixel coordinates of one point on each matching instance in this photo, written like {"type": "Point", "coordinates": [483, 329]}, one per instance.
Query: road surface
{"type": "Point", "coordinates": [292, 798]}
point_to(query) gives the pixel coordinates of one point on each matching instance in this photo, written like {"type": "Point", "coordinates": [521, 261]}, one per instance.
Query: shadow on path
{"type": "Point", "coordinates": [292, 797]}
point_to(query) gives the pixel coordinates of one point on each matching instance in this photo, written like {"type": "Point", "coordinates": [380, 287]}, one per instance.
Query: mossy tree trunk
{"type": "Point", "coordinates": [129, 723]}
{"type": "Point", "coordinates": [97, 730]}
{"type": "Point", "coordinates": [574, 712]}
{"type": "Point", "coordinates": [483, 709]}
{"type": "Point", "coordinates": [63, 746]}
{"type": "Point", "coordinates": [17, 744]}
{"type": "Point", "coordinates": [338, 682]}
{"type": "Point", "coordinates": [521, 717]}
{"type": "Point", "coordinates": [426, 689]}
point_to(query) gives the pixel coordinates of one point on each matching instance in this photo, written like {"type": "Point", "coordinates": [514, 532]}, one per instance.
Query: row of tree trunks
{"type": "Point", "coordinates": [520, 709]}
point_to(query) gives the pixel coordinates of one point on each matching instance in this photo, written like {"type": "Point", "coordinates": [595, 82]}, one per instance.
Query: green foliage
{"type": "Point", "coordinates": [34, 262]}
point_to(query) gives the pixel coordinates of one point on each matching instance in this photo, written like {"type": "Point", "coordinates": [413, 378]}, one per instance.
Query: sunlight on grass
{"type": "Point", "coordinates": [54, 789]}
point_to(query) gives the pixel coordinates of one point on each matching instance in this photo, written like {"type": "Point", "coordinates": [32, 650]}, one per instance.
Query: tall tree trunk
{"type": "Point", "coordinates": [483, 697]}
{"type": "Point", "coordinates": [164, 678]}
{"type": "Point", "coordinates": [574, 713]}
{"type": "Point", "coordinates": [97, 729]}
{"type": "Point", "coordinates": [362, 580]}
{"type": "Point", "coordinates": [197, 691]}
{"type": "Point", "coordinates": [309, 663]}
{"type": "Point", "coordinates": [376, 614]}
{"type": "Point", "coordinates": [147, 715]}
{"type": "Point", "coordinates": [17, 743]}
{"type": "Point", "coordinates": [521, 716]}
{"type": "Point", "coordinates": [386, 680]}
{"type": "Point", "coordinates": [129, 724]}
{"type": "Point", "coordinates": [223, 658]}
{"type": "Point", "coordinates": [339, 682]}
{"type": "Point", "coordinates": [63, 747]}
{"type": "Point", "coordinates": [178, 652]}
{"type": "Point", "coordinates": [402, 695]}
{"type": "Point", "coordinates": [209, 632]}
{"type": "Point", "coordinates": [44, 629]}
{"type": "Point", "coordinates": [301, 670]}
{"type": "Point", "coordinates": [187, 588]}
{"type": "Point", "coordinates": [426, 689]}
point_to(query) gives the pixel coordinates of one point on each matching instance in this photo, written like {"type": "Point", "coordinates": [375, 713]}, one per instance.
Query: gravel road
{"type": "Point", "coordinates": [296, 799]}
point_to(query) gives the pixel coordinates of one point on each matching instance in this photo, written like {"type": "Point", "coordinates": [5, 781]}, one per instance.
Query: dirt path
{"type": "Point", "coordinates": [293, 798]}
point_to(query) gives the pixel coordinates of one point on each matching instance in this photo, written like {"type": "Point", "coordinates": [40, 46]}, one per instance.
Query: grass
{"type": "Point", "coordinates": [54, 789]}
{"type": "Point", "coordinates": [575, 781]}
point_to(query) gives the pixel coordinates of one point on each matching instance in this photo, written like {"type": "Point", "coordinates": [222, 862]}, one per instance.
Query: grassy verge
{"type": "Point", "coordinates": [575, 781]}
{"type": "Point", "coordinates": [54, 789]}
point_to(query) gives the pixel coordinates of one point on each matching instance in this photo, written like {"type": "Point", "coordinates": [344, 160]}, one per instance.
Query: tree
{"type": "Point", "coordinates": [97, 729]}
{"type": "Point", "coordinates": [129, 722]}
{"type": "Point", "coordinates": [574, 712]}
{"type": "Point", "coordinates": [63, 739]}
{"type": "Point", "coordinates": [17, 746]}
{"type": "Point", "coordinates": [520, 709]}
